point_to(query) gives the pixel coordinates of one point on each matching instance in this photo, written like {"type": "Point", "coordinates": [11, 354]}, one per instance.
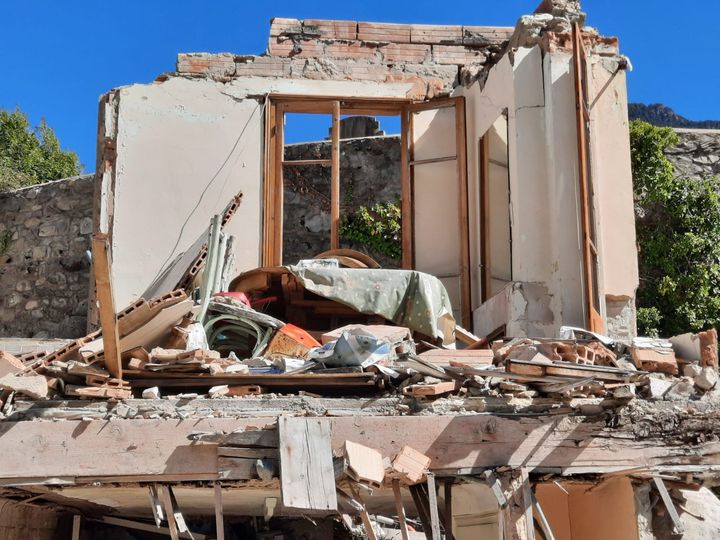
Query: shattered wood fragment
{"type": "Point", "coordinates": [364, 464]}
{"type": "Point", "coordinates": [410, 465]}
{"type": "Point", "coordinates": [306, 465]}
{"type": "Point", "coordinates": [436, 389]}
{"type": "Point", "coordinates": [108, 318]}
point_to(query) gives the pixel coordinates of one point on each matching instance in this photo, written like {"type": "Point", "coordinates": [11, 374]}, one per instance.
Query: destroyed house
{"type": "Point", "coordinates": [255, 367]}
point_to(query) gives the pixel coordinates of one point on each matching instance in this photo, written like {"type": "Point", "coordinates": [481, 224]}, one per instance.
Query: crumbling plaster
{"type": "Point", "coordinates": [184, 149]}
{"type": "Point", "coordinates": [535, 85]}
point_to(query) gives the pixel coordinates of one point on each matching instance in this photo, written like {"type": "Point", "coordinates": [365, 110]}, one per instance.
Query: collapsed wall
{"type": "Point", "coordinates": [44, 270]}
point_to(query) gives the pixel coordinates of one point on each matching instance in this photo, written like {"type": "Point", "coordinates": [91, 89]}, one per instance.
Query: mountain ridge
{"type": "Point", "coordinates": [661, 115]}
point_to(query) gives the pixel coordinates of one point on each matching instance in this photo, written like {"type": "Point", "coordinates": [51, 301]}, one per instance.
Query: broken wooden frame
{"type": "Point", "coordinates": [279, 104]}
{"type": "Point", "coordinates": [587, 214]}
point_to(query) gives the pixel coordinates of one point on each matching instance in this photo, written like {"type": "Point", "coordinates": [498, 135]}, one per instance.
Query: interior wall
{"type": "Point", "coordinates": [436, 195]}
{"type": "Point", "coordinates": [609, 128]}
{"type": "Point", "coordinates": [184, 149]}
{"type": "Point", "coordinates": [564, 189]}
{"type": "Point", "coordinates": [475, 512]}
{"type": "Point", "coordinates": [499, 206]}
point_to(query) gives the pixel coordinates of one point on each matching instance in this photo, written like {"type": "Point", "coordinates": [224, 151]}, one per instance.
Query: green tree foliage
{"type": "Point", "coordinates": [678, 234]}
{"type": "Point", "coordinates": [31, 155]}
{"type": "Point", "coordinates": [378, 228]}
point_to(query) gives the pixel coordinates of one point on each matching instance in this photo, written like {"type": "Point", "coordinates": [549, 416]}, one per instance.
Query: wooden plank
{"type": "Point", "coordinates": [335, 178]}
{"type": "Point", "coordinates": [76, 526]}
{"type": "Point", "coordinates": [433, 503]}
{"type": "Point", "coordinates": [405, 192]}
{"type": "Point", "coordinates": [484, 165]}
{"type": "Point", "coordinates": [364, 464]}
{"type": "Point", "coordinates": [435, 389]}
{"type": "Point", "coordinates": [594, 320]}
{"type": "Point", "coordinates": [219, 522]}
{"type": "Point", "coordinates": [237, 468]}
{"type": "Point", "coordinates": [278, 187]}
{"type": "Point", "coordinates": [400, 509]}
{"type": "Point", "coordinates": [148, 527]}
{"type": "Point", "coordinates": [678, 527]}
{"type": "Point", "coordinates": [463, 212]}
{"type": "Point", "coordinates": [458, 357]}
{"type": "Point", "coordinates": [169, 512]}
{"type": "Point", "coordinates": [307, 162]}
{"type": "Point", "coordinates": [250, 453]}
{"type": "Point", "coordinates": [527, 504]}
{"type": "Point", "coordinates": [307, 476]}
{"type": "Point", "coordinates": [419, 496]}
{"type": "Point", "coordinates": [161, 449]}
{"type": "Point", "coordinates": [261, 438]}
{"type": "Point", "coordinates": [417, 162]}
{"type": "Point", "coordinates": [108, 318]}
{"type": "Point", "coordinates": [268, 219]}
{"type": "Point", "coordinates": [448, 512]}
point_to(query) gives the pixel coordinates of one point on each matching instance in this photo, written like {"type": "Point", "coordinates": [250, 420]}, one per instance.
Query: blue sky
{"type": "Point", "coordinates": [58, 56]}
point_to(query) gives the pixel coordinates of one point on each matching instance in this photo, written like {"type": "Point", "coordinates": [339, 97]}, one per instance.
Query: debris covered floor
{"type": "Point", "coordinates": [490, 387]}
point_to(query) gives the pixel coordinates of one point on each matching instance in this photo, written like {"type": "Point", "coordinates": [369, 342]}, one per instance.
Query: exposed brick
{"type": "Point", "coordinates": [214, 65]}
{"type": "Point", "coordinates": [263, 66]}
{"type": "Point", "coordinates": [427, 33]}
{"type": "Point", "coordinates": [401, 52]}
{"type": "Point", "coordinates": [331, 29]}
{"type": "Point", "coordinates": [354, 49]}
{"type": "Point", "coordinates": [451, 54]}
{"type": "Point", "coordinates": [385, 32]}
{"type": "Point", "coordinates": [286, 47]}
{"type": "Point", "coordinates": [364, 71]}
{"type": "Point", "coordinates": [484, 35]}
{"type": "Point", "coordinates": [280, 26]}
{"type": "Point", "coordinates": [419, 89]}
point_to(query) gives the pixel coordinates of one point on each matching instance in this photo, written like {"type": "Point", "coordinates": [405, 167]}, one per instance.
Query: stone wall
{"type": "Point", "coordinates": [369, 174]}
{"type": "Point", "coordinates": [45, 233]}
{"type": "Point", "coordinates": [697, 153]}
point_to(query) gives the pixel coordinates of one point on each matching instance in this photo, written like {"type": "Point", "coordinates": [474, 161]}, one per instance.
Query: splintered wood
{"type": "Point", "coordinates": [306, 466]}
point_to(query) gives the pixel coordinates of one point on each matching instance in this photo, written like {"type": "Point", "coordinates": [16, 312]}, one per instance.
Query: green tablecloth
{"type": "Point", "coordinates": [408, 298]}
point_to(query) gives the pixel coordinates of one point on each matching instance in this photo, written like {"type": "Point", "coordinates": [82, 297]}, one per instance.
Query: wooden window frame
{"type": "Point", "coordinates": [279, 104]}
{"type": "Point", "coordinates": [276, 107]}
{"type": "Point", "coordinates": [589, 241]}
{"type": "Point", "coordinates": [460, 157]}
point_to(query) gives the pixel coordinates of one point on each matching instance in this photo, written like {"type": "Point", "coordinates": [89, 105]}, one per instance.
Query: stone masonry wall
{"type": "Point", "coordinates": [369, 174]}
{"type": "Point", "coordinates": [697, 154]}
{"type": "Point", "coordinates": [45, 232]}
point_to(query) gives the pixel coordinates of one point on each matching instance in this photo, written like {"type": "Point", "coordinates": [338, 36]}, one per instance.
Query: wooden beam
{"type": "Point", "coordinates": [76, 526]}
{"type": "Point", "coordinates": [400, 509]}
{"type": "Point", "coordinates": [163, 450]}
{"type": "Point", "coordinates": [463, 213]}
{"type": "Point", "coordinates": [268, 244]}
{"type": "Point", "coordinates": [484, 165]}
{"type": "Point", "coordinates": [219, 522]}
{"type": "Point", "coordinates": [433, 503]}
{"type": "Point", "coordinates": [278, 187]}
{"type": "Point", "coordinates": [307, 162]}
{"type": "Point", "coordinates": [678, 527]}
{"type": "Point", "coordinates": [108, 318]}
{"type": "Point", "coordinates": [405, 191]}
{"type": "Point", "coordinates": [448, 512]}
{"type": "Point", "coordinates": [169, 512]}
{"type": "Point", "coordinates": [594, 320]}
{"type": "Point", "coordinates": [335, 179]}
{"type": "Point", "coordinates": [148, 527]}
{"type": "Point", "coordinates": [527, 497]}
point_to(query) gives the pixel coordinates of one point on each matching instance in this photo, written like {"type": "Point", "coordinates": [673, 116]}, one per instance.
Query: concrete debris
{"type": "Point", "coordinates": [706, 379]}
